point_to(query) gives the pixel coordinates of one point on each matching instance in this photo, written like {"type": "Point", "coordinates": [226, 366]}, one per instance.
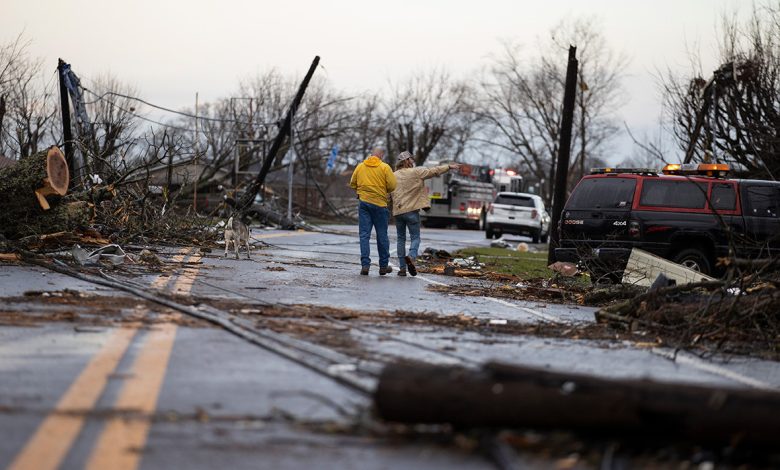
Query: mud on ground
{"type": "Point", "coordinates": [35, 308]}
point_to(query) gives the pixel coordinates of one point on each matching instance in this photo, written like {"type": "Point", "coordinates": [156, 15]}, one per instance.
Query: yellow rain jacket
{"type": "Point", "coordinates": [373, 180]}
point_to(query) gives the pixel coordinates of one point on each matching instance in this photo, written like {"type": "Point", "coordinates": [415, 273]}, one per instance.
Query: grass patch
{"type": "Point", "coordinates": [525, 265]}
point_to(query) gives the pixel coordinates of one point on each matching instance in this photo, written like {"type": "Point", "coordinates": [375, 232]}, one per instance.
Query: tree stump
{"type": "Point", "coordinates": [30, 192]}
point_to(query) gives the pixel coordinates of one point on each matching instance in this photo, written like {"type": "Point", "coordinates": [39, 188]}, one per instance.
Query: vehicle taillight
{"type": "Point", "coordinates": [463, 207]}
{"type": "Point", "coordinates": [534, 214]}
{"type": "Point", "coordinates": [634, 229]}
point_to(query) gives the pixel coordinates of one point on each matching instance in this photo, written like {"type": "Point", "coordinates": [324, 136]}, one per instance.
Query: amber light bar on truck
{"type": "Point", "coordinates": [702, 169]}
{"type": "Point", "coordinates": [610, 170]}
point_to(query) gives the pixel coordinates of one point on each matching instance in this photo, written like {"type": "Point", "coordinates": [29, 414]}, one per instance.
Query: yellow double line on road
{"type": "Point", "coordinates": [119, 444]}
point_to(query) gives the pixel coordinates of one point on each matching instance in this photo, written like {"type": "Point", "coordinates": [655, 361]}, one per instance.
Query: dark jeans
{"type": "Point", "coordinates": [410, 221]}
{"type": "Point", "coordinates": [377, 217]}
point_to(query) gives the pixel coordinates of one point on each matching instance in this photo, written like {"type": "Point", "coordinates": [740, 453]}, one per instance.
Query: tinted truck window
{"type": "Point", "coordinates": [723, 197]}
{"type": "Point", "coordinates": [762, 201]}
{"type": "Point", "coordinates": [603, 193]}
{"type": "Point", "coordinates": [515, 200]}
{"type": "Point", "coordinates": [681, 194]}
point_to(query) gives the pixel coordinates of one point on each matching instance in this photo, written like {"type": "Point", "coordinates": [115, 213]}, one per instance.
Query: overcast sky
{"type": "Point", "coordinates": [169, 49]}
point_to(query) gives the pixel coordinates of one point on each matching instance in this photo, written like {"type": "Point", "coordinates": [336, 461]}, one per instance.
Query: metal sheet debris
{"type": "Point", "coordinates": [114, 254]}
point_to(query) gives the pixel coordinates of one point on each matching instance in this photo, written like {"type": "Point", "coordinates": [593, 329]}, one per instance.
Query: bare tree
{"type": "Point", "coordinates": [733, 115]}
{"type": "Point", "coordinates": [27, 104]}
{"type": "Point", "coordinates": [522, 95]}
{"type": "Point", "coordinates": [113, 126]}
{"type": "Point", "coordinates": [365, 129]}
{"type": "Point", "coordinates": [430, 114]}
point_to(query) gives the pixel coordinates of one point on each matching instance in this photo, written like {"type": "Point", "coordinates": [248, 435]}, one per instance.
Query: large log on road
{"type": "Point", "coordinates": [508, 396]}
{"type": "Point", "coordinates": [29, 193]}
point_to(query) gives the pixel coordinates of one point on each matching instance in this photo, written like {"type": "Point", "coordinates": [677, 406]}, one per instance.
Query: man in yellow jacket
{"type": "Point", "coordinates": [373, 180]}
{"type": "Point", "coordinates": [409, 197]}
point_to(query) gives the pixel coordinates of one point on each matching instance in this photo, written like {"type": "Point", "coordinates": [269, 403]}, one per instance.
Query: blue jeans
{"type": "Point", "coordinates": [377, 217]}
{"type": "Point", "coordinates": [411, 221]}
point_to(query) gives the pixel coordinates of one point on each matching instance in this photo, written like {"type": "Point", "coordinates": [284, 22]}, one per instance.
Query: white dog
{"type": "Point", "coordinates": [238, 233]}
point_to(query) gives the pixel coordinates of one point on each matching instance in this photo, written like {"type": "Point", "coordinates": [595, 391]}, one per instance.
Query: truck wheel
{"type": "Point", "coordinates": [535, 237]}
{"type": "Point", "coordinates": [694, 259]}
{"type": "Point", "coordinates": [544, 238]}
{"type": "Point", "coordinates": [488, 232]}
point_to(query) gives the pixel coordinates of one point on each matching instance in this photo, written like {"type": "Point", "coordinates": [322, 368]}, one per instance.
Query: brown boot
{"type": "Point", "coordinates": [385, 270]}
{"type": "Point", "coordinates": [410, 265]}
{"type": "Point", "coordinates": [364, 271]}
{"type": "Point", "coordinates": [402, 272]}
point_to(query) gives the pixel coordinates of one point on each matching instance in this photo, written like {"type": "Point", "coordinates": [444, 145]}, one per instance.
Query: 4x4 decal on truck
{"type": "Point", "coordinates": [620, 222]}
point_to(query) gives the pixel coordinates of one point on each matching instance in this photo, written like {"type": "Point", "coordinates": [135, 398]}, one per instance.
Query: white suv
{"type": "Point", "coordinates": [519, 214]}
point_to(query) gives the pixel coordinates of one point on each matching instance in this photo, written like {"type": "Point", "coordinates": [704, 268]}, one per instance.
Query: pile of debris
{"type": "Point", "coordinates": [40, 212]}
{"type": "Point", "coordinates": [739, 313]}
{"type": "Point", "coordinates": [707, 315]}
{"type": "Point", "coordinates": [433, 261]}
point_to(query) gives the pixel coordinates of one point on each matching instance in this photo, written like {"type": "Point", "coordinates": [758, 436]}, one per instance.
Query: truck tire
{"type": "Point", "coordinates": [544, 238]}
{"type": "Point", "coordinates": [695, 259]}
{"type": "Point", "coordinates": [488, 231]}
{"type": "Point", "coordinates": [535, 237]}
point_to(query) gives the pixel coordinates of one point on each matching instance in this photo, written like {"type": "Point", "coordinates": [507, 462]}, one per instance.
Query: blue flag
{"type": "Point", "coordinates": [332, 159]}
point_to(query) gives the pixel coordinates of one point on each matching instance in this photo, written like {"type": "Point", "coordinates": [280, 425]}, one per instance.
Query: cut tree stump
{"type": "Point", "coordinates": [500, 395]}
{"type": "Point", "coordinates": [30, 192]}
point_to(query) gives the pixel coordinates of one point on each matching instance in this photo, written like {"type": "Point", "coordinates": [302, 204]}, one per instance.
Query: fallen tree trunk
{"type": "Point", "coordinates": [509, 396]}
{"type": "Point", "coordinates": [29, 193]}
{"type": "Point", "coordinates": [273, 217]}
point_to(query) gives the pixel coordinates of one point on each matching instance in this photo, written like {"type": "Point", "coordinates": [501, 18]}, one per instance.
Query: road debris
{"type": "Point", "coordinates": [531, 289]}
{"type": "Point", "coordinates": [643, 268]}
{"type": "Point", "coordinates": [500, 243]}
{"type": "Point", "coordinates": [10, 257]}
{"type": "Point", "coordinates": [706, 315]}
{"type": "Point", "coordinates": [435, 254]}
{"type": "Point", "coordinates": [35, 308]}
{"type": "Point", "coordinates": [113, 254]}
{"type": "Point", "coordinates": [149, 258]}
{"type": "Point", "coordinates": [564, 268]}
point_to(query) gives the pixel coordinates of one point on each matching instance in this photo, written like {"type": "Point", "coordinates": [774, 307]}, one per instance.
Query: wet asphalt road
{"type": "Point", "coordinates": [69, 399]}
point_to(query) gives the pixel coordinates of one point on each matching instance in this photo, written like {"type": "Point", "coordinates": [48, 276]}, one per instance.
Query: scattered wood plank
{"type": "Point", "coordinates": [643, 268]}
{"type": "Point", "coordinates": [10, 257]}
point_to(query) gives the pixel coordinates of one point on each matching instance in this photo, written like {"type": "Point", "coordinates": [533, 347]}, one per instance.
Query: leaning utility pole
{"type": "Point", "coordinates": [195, 166]}
{"type": "Point", "coordinates": [290, 172]}
{"type": "Point", "coordinates": [564, 152]}
{"type": "Point", "coordinates": [284, 130]}
{"type": "Point", "coordinates": [67, 132]}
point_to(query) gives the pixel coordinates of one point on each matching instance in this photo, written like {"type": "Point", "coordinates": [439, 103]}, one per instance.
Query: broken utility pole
{"type": "Point", "coordinates": [502, 395]}
{"type": "Point", "coordinates": [67, 132]}
{"type": "Point", "coordinates": [564, 151]}
{"type": "Point", "coordinates": [284, 129]}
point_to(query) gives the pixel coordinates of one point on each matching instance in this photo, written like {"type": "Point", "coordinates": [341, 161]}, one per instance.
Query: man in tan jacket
{"type": "Point", "coordinates": [408, 198]}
